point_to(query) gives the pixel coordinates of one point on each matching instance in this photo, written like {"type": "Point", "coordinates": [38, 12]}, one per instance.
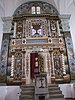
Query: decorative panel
{"type": "Point", "coordinates": [53, 26]}
{"type": "Point", "coordinates": [70, 53]}
{"type": "Point", "coordinates": [19, 29]}
{"type": "Point", "coordinates": [36, 27]}
{"type": "Point", "coordinates": [58, 65]}
{"type": "Point", "coordinates": [4, 57]}
{"type": "Point", "coordinates": [18, 65]}
{"type": "Point", "coordinates": [37, 41]}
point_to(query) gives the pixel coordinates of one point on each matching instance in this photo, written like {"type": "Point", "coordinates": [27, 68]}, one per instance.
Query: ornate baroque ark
{"type": "Point", "coordinates": [36, 40]}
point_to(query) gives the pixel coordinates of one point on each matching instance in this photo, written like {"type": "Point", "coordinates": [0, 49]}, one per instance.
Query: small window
{"type": "Point", "coordinates": [38, 10]}
{"type": "Point", "coordinates": [33, 10]}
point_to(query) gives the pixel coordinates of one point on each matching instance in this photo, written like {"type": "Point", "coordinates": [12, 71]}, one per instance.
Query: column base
{"type": "Point", "coordinates": [10, 80]}
{"type": "Point", "coordinates": [52, 79]}
{"type": "Point", "coordinates": [23, 80]}
{"type": "Point", "coordinates": [66, 79]}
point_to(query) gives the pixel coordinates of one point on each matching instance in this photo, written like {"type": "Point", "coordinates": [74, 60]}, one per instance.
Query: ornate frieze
{"type": "Point", "coordinates": [4, 57]}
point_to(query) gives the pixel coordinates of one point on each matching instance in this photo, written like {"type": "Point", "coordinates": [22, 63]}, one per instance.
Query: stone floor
{"type": "Point", "coordinates": [70, 99]}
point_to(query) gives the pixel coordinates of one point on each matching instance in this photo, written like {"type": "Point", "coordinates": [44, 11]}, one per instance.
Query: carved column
{"type": "Point", "coordinates": [58, 30]}
{"type": "Point", "coordinates": [24, 22]}
{"type": "Point", "coordinates": [64, 69]}
{"type": "Point", "coordinates": [23, 64]}
{"type": "Point", "coordinates": [49, 27]}
{"type": "Point", "coordinates": [49, 67]}
{"type": "Point", "coordinates": [23, 68]}
{"type": "Point", "coordinates": [15, 29]}
{"type": "Point", "coordinates": [53, 64]}
{"type": "Point", "coordinates": [52, 68]}
{"type": "Point", "coordinates": [63, 64]}
{"type": "Point", "coordinates": [12, 66]}
{"type": "Point", "coordinates": [27, 68]}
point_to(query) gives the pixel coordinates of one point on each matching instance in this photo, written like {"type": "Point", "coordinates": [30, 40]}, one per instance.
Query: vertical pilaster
{"type": "Point", "coordinates": [24, 22]}
{"type": "Point", "coordinates": [27, 68]}
{"type": "Point", "coordinates": [23, 68]}
{"type": "Point", "coordinates": [15, 29]}
{"type": "Point", "coordinates": [58, 30]}
{"type": "Point", "coordinates": [53, 64]}
{"type": "Point", "coordinates": [68, 43]}
{"type": "Point", "coordinates": [49, 27]}
{"type": "Point", "coordinates": [49, 68]}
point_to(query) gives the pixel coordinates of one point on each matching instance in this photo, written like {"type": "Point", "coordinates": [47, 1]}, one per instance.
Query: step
{"type": "Point", "coordinates": [26, 99]}
{"type": "Point", "coordinates": [56, 96]}
{"type": "Point", "coordinates": [52, 85]}
{"type": "Point", "coordinates": [27, 89]}
{"type": "Point", "coordinates": [26, 86]}
{"type": "Point", "coordinates": [27, 96]}
{"type": "Point", "coordinates": [53, 88]}
{"type": "Point", "coordinates": [55, 92]}
{"type": "Point", "coordinates": [56, 99]}
{"type": "Point", "coordinates": [27, 92]}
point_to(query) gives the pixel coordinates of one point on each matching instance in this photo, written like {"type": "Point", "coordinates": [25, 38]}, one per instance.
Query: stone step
{"type": "Point", "coordinates": [27, 92]}
{"type": "Point", "coordinates": [27, 96]}
{"type": "Point", "coordinates": [52, 85]}
{"type": "Point", "coordinates": [24, 89]}
{"type": "Point", "coordinates": [56, 96]}
{"type": "Point", "coordinates": [27, 86]}
{"type": "Point", "coordinates": [53, 88]}
{"type": "Point", "coordinates": [56, 99]}
{"type": "Point", "coordinates": [26, 99]}
{"type": "Point", "coordinates": [55, 92]}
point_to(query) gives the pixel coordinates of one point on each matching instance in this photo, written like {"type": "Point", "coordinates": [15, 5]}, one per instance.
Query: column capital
{"type": "Point", "coordinates": [65, 22]}
{"type": "Point", "coordinates": [7, 24]}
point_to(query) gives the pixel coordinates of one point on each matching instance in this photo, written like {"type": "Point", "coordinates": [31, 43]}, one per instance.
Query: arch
{"type": "Point", "coordinates": [25, 8]}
